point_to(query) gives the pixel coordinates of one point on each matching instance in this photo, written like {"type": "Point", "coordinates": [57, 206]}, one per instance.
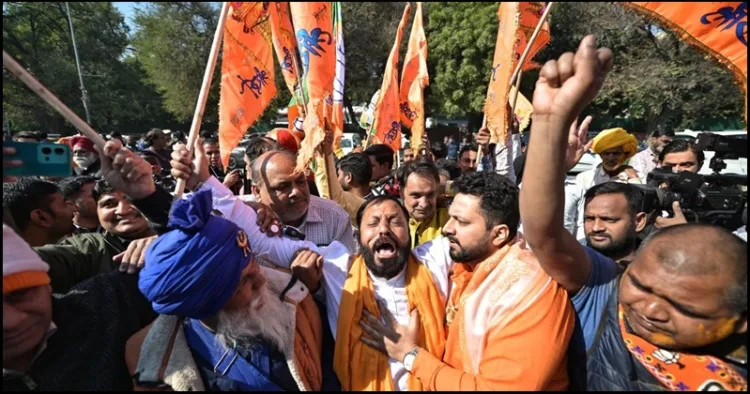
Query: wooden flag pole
{"type": "Point", "coordinates": [205, 88]}
{"type": "Point", "coordinates": [517, 72]}
{"type": "Point", "coordinates": [16, 69]}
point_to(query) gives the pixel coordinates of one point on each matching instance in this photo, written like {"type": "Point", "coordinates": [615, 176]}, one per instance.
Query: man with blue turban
{"type": "Point", "coordinates": [225, 322]}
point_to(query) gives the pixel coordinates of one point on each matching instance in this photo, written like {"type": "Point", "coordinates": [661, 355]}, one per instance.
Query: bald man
{"type": "Point", "coordinates": [676, 318]}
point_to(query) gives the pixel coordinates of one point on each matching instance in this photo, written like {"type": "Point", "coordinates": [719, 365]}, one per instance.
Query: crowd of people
{"type": "Point", "coordinates": [362, 273]}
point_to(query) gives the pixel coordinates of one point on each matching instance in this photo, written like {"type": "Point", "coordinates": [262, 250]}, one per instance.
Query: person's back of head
{"type": "Point", "coordinates": [358, 166]}
{"type": "Point", "coordinates": [152, 135]}
{"type": "Point", "coordinates": [439, 150]}
{"type": "Point", "coordinates": [257, 145]}
{"type": "Point", "coordinates": [27, 136]}
{"type": "Point", "coordinates": [38, 206]}
{"type": "Point", "coordinates": [453, 169]}
{"type": "Point", "coordinates": [382, 153]}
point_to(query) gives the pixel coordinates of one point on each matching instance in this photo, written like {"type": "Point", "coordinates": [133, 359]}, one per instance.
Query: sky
{"type": "Point", "coordinates": [128, 10]}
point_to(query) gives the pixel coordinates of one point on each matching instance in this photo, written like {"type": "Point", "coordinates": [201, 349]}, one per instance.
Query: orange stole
{"type": "Point", "coordinates": [362, 368]}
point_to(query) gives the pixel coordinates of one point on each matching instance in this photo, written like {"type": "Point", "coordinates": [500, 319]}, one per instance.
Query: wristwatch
{"type": "Point", "coordinates": [410, 357]}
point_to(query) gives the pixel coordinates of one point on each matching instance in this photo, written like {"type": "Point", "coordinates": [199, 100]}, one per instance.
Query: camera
{"type": "Point", "coordinates": [716, 199]}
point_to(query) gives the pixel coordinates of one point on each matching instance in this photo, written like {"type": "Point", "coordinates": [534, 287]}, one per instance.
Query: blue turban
{"type": "Point", "coordinates": [194, 269]}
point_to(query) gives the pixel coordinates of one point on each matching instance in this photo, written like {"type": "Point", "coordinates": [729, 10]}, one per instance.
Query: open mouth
{"type": "Point", "coordinates": [384, 249]}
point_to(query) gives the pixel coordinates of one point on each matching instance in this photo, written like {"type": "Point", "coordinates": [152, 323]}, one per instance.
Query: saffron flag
{"type": "Point", "coordinates": [719, 28]}
{"type": "Point", "coordinates": [313, 24]}
{"type": "Point", "coordinates": [531, 14]}
{"type": "Point", "coordinates": [284, 42]}
{"type": "Point", "coordinates": [247, 74]}
{"type": "Point", "coordinates": [414, 79]}
{"type": "Point", "coordinates": [523, 109]}
{"type": "Point", "coordinates": [337, 117]}
{"type": "Point", "coordinates": [495, 106]}
{"type": "Point", "coordinates": [386, 128]}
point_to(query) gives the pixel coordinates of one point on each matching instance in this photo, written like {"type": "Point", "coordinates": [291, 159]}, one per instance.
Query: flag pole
{"type": "Point", "coordinates": [84, 93]}
{"type": "Point", "coordinates": [16, 69]}
{"type": "Point", "coordinates": [205, 88]}
{"type": "Point", "coordinates": [517, 72]}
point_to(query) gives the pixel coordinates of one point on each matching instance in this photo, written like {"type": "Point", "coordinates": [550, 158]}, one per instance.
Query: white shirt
{"type": "Point", "coordinates": [644, 162]}
{"type": "Point", "coordinates": [573, 203]}
{"type": "Point", "coordinates": [338, 259]}
{"type": "Point", "coordinates": [504, 156]}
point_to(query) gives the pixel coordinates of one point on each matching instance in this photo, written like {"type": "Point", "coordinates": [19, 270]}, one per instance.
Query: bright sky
{"type": "Point", "coordinates": [128, 10]}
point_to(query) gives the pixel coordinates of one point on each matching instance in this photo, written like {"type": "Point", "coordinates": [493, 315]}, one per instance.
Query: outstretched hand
{"type": "Point", "coordinates": [567, 85]}
{"type": "Point", "coordinates": [577, 143]}
{"type": "Point", "coordinates": [126, 171]}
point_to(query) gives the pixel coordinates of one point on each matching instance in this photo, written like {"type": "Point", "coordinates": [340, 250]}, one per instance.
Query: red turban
{"type": "Point", "coordinates": [82, 142]}
{"type": "Point", "coordinates": [288, 140]}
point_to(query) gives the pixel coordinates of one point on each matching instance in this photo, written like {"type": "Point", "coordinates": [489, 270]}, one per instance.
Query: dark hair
{"type": "Point", "coordinates": [453, 169]}
{"type": "Point", "coordinates": [28, 134]}
{"type": "Point", "coordinates": [383, 154]}
{"type": "Point", "coordinates": [678, 146]}
{"type": "Point", "coordinates": [377, 200]}
{"type": "Point", "coordinates": [102, 188]}
{"type": "Point", "coordinates": [499, 198]}
{"type": "Point", "coordinates": [632, 194]}
{"type": "Point", "coordinates": [207, 134]}
{"type": "Point", "coordinates": [420, 167]}
{"type": "Point", "coordinates": [439, 150]}
{"type": "Point", "coordinates": [210, 140]}
{"type": "Point", "coordinates": [358, 165]}
{"type": "Point", "coordinates": [152, 135]}
{"type": "Point", "coordinates": [256, 146]}
{"type": "Point", "coordinates": [660, 132]}
{"type": "Point", "coordinates": [26, 195]}
{"type": "Point", "coordinates": [470, 147]}
{"type": "Point", "coordinates": [71, 187]}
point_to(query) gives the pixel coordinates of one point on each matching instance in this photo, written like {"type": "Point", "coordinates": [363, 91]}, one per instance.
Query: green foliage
{"type": "Point", "coordinates": [658, 81]}
{"type": "Point", "coordinates": [38, 36]}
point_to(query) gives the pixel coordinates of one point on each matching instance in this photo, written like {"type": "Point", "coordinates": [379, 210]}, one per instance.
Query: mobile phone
{"type": "Point", "coordinates": [39, 159]}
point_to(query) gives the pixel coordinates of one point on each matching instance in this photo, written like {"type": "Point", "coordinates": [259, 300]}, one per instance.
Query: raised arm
{"type": "Point", "coordinates": [565, 87]}
{"type": "Point", "coordinates": [348, 201]}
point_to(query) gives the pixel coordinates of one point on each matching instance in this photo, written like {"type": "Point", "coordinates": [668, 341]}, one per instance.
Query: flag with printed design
{"type": "Point", "coordinates": [413, 81]}
{"type": "Point", "coordinates": [503, 63]}
{"type": "Point", "coordinates": [531, 14]}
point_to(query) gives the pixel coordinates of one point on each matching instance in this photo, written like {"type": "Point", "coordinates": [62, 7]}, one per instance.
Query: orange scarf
{"type": "Point", "coordinates": [362, 368]}
{"type": "Point", "coordinates": [682, 371]}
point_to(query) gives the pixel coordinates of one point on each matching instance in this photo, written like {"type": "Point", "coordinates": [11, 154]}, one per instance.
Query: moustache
{"type": "Point", "coordinates": [453, 239]}
{"type": "Point", "coordinates": [591, 235]}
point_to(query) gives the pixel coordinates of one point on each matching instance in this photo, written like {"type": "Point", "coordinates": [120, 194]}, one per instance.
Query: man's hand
{"type": "Point", "coordinates": [10, 162]}
{"type": "Point", "coordinates": [307, 266]}
{"type": "Point", "coordinates": [193, 171]}
{"type": "Point", "coordinates": [679, 217]}
{"type": "Point", "coordinates": [390, 338]}
{"type": "Point", "coordinates": [632, 174]}
{"type": "Point", "coordinates": [266, 218]}
{"type": "Point", "coordinates": [483, 140]}
{"type": "Point", "coordinates": [566, 86]}
{"type": "Point", "coordinates": [232, 178]}
{"type": "Point", "coordinates": [134, 258]}
{"type": "Point", "coordinates": [126, 171]}
{"type": "Point", "coordinates": [326, 147]}
{"type": "Point", "coordinates": [577, 145]}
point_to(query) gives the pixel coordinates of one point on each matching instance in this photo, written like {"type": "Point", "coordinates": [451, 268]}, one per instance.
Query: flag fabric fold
{"type": "Point", "coordinates": [386, 128]}
{"type": "Point", "coordinates": [531, 13]}
{"type": "Point", "coordinates": [413, 81]}
{"type": "Point", "coordinates": [247, 74]}
{"type": "Point", "coordinates": [313, 25]}
{"type": "Point", "coordinates": [284, 42]}
{"type": "Point", "coordinates": [337, 117]}
{"type": "Point", "coordinates": [495, 106]}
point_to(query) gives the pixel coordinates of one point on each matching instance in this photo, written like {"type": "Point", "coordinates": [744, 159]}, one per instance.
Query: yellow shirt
{"type": "Point", "coordinates": [422, 232]}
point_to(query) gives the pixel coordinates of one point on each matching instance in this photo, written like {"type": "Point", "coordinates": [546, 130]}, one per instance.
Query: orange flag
{"type": "Point", "coordinates": [495, 107]}
{"type": "Point", "coordinates": [531, 13]}
{"type": "Point", "coordinates": [313, 24]}
{"type": "Point", "coordinates": [414, 79]}
{"type": "Point", "coordinates": [247, 74]}
{"type": "Point", "coordinates": [387, 126]}
{"type": "Point", "coordinates": [719, 28]}
{"type": "Point", "coordinates": [337, 115]}
{"type": "Point", "coordinates": [284, 42]}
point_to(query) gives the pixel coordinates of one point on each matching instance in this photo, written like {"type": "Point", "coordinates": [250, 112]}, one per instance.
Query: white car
{"type": "Point", "coordinates": [734, 166]}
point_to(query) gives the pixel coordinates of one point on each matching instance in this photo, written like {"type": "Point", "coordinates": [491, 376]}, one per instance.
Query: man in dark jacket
{"type": "Point", "coordinates": [676, 319]}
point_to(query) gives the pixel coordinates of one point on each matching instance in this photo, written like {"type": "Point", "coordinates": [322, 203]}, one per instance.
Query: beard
{"type": "Point", "coordinates": [616, 248]}
{"type": "Point", "coordinates": [388, 268]}
{"type": "Point", "coordinates": [468, 255]}
{"type": "Point", "coordinates": [265, 318]}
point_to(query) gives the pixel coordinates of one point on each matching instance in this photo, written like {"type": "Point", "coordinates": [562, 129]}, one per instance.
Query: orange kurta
{"type": "Point", "coordinates": [525, 352]}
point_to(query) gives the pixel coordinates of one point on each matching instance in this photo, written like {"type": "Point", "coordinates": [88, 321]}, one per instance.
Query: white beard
{"type": "Point", "coordinates": [84, 162]}
{"type": "Point", "coordinates": [271, 322]}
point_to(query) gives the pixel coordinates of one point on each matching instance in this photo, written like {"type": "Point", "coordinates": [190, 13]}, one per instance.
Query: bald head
{"type": "Point", "coordinates": [702, 249]}
{"type": "Point", "coordinates": [271, 160]}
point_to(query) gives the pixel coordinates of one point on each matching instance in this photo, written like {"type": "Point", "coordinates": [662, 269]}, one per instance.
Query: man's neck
{"type": "Point", "coordinates": [87, 223]}
{"type": "Point", "coordinates": [38, 237]}
{"type": "Point", "coordinates": [615, 172]}
{"type": "Point", "coordinates": [360, 191]}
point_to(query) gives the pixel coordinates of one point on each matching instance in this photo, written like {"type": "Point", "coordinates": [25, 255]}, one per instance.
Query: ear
{"type": "Point", "coordinates": [348, 178]}
{"type": "Point", "coordinates": [256, 191]}
{"type": "Point", "coordinates": [640, 221]}
{"type": "Point", "coordinates": [41, 218]}
{"type": "Point", "coordinates": [499, 235]}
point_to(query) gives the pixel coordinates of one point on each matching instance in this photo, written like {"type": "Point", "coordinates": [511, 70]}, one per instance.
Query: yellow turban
{"type": "Point", "coordinates": [612, 138]}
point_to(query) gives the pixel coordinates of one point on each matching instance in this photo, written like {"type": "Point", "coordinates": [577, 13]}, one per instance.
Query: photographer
{"type": "Point", "coordinates": [682, 155]}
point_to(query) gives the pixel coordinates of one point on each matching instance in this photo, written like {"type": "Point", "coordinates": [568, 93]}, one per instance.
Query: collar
{"type": "Point", "coordinates": [398, 281]}
{"type": "Point", "coordinates": [50, 331]}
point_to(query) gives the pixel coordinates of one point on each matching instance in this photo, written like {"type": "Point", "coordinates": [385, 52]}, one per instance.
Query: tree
{"type": "Point", "coordinates": [38, 36]}
{"type": "Point", "coordinates": [658, 81]}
